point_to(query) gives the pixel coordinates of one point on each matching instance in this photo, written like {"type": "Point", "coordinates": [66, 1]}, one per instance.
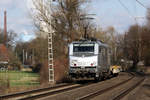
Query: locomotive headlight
{"type": "Point", "coordinates": [73, 62]}
{"type": "Point", "coordinates": [94, 63]}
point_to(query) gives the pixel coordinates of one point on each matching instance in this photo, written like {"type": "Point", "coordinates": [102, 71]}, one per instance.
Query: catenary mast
{"type": "Point", "coordinates": [50, 49]}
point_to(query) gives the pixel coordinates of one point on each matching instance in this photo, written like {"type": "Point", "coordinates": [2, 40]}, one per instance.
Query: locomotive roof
{"type": "Point", "coordinates": [99, 42]}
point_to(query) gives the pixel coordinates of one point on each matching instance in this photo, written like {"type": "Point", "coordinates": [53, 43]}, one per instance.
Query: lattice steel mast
{"type": "Point", "coordinates": [50, 49]}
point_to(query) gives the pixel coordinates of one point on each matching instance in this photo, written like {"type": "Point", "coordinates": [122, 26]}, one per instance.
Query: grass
{"type": "Point", "coordinates": [19, 78]}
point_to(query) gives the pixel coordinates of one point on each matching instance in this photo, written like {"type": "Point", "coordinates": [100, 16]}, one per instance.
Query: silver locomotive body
{"type": "Point", "coordinates": [90, 59]}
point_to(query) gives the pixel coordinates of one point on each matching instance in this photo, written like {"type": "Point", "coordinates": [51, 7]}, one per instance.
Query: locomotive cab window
{"type": "Point", "coordinates": [83, 48]}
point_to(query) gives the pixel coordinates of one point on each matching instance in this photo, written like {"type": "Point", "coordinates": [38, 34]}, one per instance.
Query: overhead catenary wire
{"type": "Point", "coordinates": [139, 49]}
{"type": "Point", "coordinates": [126, 9]}
{"type": "Point", "coordinates": [142, 4]}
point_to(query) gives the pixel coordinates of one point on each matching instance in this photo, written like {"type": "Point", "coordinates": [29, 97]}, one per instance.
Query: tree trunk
{"type": "Point", "coordinates": [135, 62]}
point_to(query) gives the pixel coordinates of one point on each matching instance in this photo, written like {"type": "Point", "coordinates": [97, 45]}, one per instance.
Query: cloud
{"type": "Point", "coordinates": [17, 17]}
{"type": "Point", "coordinates": [108, 13]}
{"type": "Point", "coordinates": [21, 21]}
{"type": "Point", "coordinates": [25, 32]}
{"type": "Point", "coordinates": [111, 13]}
{"type": "Point", "coordinates": [6, 2]}
{"type": "Point", "coordinates": [120, 21]}
{"type": "Point", "coordinates": [30, 4]}
{"type": "Point", "coordinates": [26, 35]}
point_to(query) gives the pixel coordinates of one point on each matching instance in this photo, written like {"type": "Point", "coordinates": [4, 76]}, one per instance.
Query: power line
{"type": "Point", "coordinates": [125, 8]}
{"type": "Point", "coordinates": [141, 4]}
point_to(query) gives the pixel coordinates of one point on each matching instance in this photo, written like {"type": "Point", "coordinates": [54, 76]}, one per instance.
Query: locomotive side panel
{"type": "Point", "coordinates": [103, 58]}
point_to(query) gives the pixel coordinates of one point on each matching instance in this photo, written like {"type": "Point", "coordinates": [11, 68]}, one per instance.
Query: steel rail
{"type": "Point", "coordinates": [54, 92]}
{"type": "Point", "coordinates": [19, 94]}
{"type": "Point", "coordinates": [123, 94]}
{"type": "Point", "coordinates": [100, 92]}
{"type": "Point", "coordinates": [57, 91]}
{"type": "Point", "coordinates": [28, 95]}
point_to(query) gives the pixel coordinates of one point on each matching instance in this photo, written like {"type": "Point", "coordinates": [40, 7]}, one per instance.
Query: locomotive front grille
{"type": "Point", "coordinates": [87, 69]}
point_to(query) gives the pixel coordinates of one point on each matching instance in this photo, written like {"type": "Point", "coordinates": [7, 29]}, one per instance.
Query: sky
{"type": "Point", "coordinates": [113, 13]}
{"type": "Point", "coordinates": [18, 18]}
{"type": "Point", "coordinates": [107, 13]}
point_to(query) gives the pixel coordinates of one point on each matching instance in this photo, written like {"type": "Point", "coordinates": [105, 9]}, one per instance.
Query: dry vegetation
{"type": "Point", "coordinates": [11, 81]}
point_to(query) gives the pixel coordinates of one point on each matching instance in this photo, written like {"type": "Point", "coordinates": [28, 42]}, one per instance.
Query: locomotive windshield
{"type": "Point", "coordinates": [83, 48]}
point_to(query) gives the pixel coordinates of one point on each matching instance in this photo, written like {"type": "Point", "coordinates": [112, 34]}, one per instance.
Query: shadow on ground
{"type": "Point", "coordinates": [146, 87]}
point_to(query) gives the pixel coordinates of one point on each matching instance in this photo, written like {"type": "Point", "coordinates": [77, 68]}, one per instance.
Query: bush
{"type": "Point", "coordinates": [37, 68]}
{"type": "Point", "coordinates": [4, 84]}
{"type": "Point", "coordinates": [61, 69]}
{"type": "Point", "coordinates": [44, 75]}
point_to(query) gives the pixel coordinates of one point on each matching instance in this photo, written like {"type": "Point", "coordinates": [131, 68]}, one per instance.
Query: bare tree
{"type": "Point", "coordinates": [148, 18]}
{"type": "Point", "coordinates": [68, 24]}
{"type": "Point", "coordinates": [41, 15]}
{"type": "Point", "coordinates": [66, 16]}
{"type": "Point", "coordinates": [69, 19]}
{"type": "Point", "coordinates": [114, 40]}
{"type": "Point", "coordinates": [66, 20]}
{"type": "Point", "coordinates": [132, 40]}
{"type": "Point", "coordinates": [11, 38]}
{"type": "Point", "coordinates": [145, 44]}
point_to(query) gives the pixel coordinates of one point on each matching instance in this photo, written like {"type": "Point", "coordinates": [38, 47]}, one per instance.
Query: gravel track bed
{"type": "Point", "coordinates": [110, 95]}
{"type": "Point", "coordinates": [140, 93]}
{"type": "Point", "coordinates": [76, 93]}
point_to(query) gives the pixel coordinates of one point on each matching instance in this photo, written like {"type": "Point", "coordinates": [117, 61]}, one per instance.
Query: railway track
{"type": "Point", "coordinates": [39, 93]}
{"type": "Point", "coordinates": [60, 90]}
{"type": "Point", "coordinates": [124, 93]}
{"type": "Point", "coordinates": [119, 96]}
{"type": "Point", "coordinates": [21, 95]}
{"type": "Point", "coordinates": [49, 91]}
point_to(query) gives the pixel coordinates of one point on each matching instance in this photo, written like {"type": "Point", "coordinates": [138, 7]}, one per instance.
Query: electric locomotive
{"type": "Point", "coordinates": [89, 58]}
